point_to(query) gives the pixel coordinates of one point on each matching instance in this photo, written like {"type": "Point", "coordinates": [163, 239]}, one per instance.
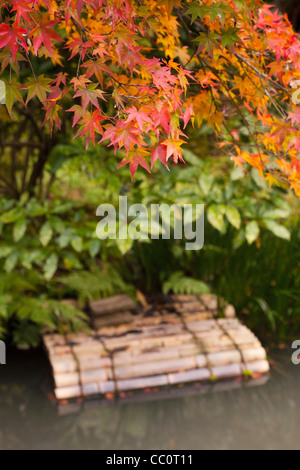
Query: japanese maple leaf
{"type": "Point", "coordinates": [56, 93]}
{"type": "Point", "coordinates": [10, 36]}
{"type": "Point", "coordinates": [295, 116]}
{"type": "Point", "coordinates": [52, 117]}
{"type": "Point", "coordinates": [13, 93]}
{"type": "Point", "coordinates": [163, 78]}
{"type": "Point", "coordinates": [22, 7]}
{"type": "Point", "coordinates": [38, 87]}
{"type": "Point", "coordinates": [96, 67]}
{"type": "Point", "coordinates": [134, 159]}
{"type": "Point", "coordinates": [174, 149]}
{"type": "Point", "coordinates": [160, 152]}
{"type": "Point", "coordinates": [122, 135]}
{"type": "Point", "coordinates": [128, 55]}
{"type": "Point", "coordinates": [60, 78]}
{"type": "Point", "coordinates": [7, 59]}
{"type": "Point", "coordinates": [78, 113]}
{"type": "Point", "coordinates": [43, 33]}
{"type": "Point", "coordinates": [80, 81]}
{"type": "Point", "coordinates": [77, 46]}
{"type": "Point", "coordinates": [139, 116]}
{"type": "Point", "coordinates": [186, 116]}
{"type": "Point", "coordinates": [91, 123]}
{"type": "Point", "coordinates": [89, 96]}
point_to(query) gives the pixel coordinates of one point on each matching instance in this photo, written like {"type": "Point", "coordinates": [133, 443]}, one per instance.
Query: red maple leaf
{"type": "Point", "coordinates": [186, 116]}
{"type": "Point", "coordinates": [22, 8]}
{"type": "Point", "coordinates": [135, 158]}
{"type": "Point", "coordinates": [89, 96]}
{"type": "Point", "coordinates": [10, 36]}
{"type": "Point", "coordinates": [52, 116]}
{"type": "Point", "coordinates": [43, 33]}
{"type": "Point", "coordinates": [91, 123]}
{"type": "Point", "coordinates": [78, 113]}
{"type": "Point", "coordinates": [80, 81]}
{"type": "Point", "coordinates": [61, 77]}
{"type": "Point", "coordinates": [173, 149]}
{"type": "Point", "coordinates": [137, 115]}
{"type": "Point", "coordinates": [295, 116]}
{"type": "Point", "coordinates": [160, 152]}
{"type": "Point", "coordinates": [122, 135]}
{"type": "Point", "coordinates": [77, 46]}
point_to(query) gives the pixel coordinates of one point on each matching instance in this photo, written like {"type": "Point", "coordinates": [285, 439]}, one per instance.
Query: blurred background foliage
{"type": "Point", "coordinates": [49, 250]}
{"type": "Point", "coordinates": [50, 189]}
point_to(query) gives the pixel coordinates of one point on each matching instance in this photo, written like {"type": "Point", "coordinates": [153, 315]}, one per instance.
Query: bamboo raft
{"type": "Point", "coordinates": [180, 341]}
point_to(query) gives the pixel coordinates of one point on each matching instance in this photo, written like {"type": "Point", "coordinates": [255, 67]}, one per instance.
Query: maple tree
{"type": "Point", "coordinates": [133, 74]}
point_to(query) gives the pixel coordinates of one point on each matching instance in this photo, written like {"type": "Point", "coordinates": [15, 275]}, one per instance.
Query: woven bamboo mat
{"type": "Point", "coordinates": [181, 340]}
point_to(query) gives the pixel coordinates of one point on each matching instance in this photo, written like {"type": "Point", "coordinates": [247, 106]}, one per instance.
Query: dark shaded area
{"type": "Point", "coordinates": [292, 8]}
{"type": "Point", "coordinates": [262, 417]}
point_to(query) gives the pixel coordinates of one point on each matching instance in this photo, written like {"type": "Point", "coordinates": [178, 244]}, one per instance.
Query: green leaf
{"type": "Point", "coordinates": [208, 41]}
{"type": "Point", "coordinates": [71, 261]}
{"type": "Point", "coordinates": [28, 257]}
{"type": "Point", "coordinates": [57, 224]}
{"type": "Point", "coordinates": [4, 301]}
{"type": "Point", "coordinates": [11, 262]}
{"type": "Point", "coordinates": [216, 9]}
{"type": "Point", "coordinates": [62, 208]}
{"type": "Point", "coordinates": [180, 284]}
{"type": "Point", "coordinates": [65, 238]}
{"type": "Point", "coordinates": [261, 183]}
{"type": "Point", "coordinates": [197, 10]}
{"type": "Point", "coordinates": [215, 217]}
{"type": "Point", "coordinates": [34, 208]}
{"type": "Point", "coordinates": [50, 266]}
{"type": "Point", "coordinates": [233, 216]}
{"type": "Point", "coordinates": [76, 243]}
{"type": "Point", "coordinates": [278, 229]}
{"type": "Point", "coordinates": [19, 229]}
{"type": "Point", "coordinates": [237, 174]}
{"type": "Point", "coordinates": [238, 239]}
{"type": "Point", "coordinates": [252, 231]}
{"type": "Point", "coordinates": [38, 87]}
{"type": "Point", "coordinates": [206, 181]}
{"type": "Point", "coordinates": [5, 251]}
{"type": "Point", "coordinates": [124, 245]}
{"type": "Point", "coordinates": [276, 214]}
{"type": "Point", "coordinates": [94, 247]}
{"type": "Point", "coordinates": [229, 37]}
{"type": "Point", "coordinates": [24, 199]}
{"type": "Point", "coordinates": [12, 93]}
{"type": "Point", "coordinates": [11, 215]}
{"type": "Point", "coordinates": [46, 233]}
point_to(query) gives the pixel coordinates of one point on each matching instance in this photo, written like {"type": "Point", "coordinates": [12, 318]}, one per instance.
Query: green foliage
{"type": "Point", "coordinates": [49, 250]}
{"type": "Point", "coordinates": [180, 284]}
{"type": "Point", "coordinates": [46, 252]}
{"type": "Point", "coordinates": [87, 285]}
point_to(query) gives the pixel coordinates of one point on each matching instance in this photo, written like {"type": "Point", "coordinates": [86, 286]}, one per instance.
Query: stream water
{"type": "Point", "coordinates": [265, 416]}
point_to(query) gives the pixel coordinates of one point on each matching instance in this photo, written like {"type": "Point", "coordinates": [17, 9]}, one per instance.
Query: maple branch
{"type": "Point", "coordinates": [261, 74]}
{"type": "Point", "coordinates": [266, 91]}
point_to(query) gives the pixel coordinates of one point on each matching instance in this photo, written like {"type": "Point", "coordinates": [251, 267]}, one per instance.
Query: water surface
{"type": "Point", "coordinates": [247, 417]}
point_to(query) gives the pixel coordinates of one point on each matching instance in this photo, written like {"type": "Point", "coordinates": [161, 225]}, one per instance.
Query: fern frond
{"type": "Point", "coordinates": [178, 283]}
